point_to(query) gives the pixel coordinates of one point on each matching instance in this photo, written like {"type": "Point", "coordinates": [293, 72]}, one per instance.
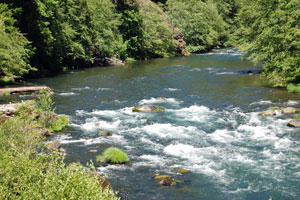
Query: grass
{"type": "Point", "coordinates": [293, 88]}
{"type": "Point", "coordinates": [113, 155]}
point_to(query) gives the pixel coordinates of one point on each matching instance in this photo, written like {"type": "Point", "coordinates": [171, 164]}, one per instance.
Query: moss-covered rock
{"type": "Point", "coordinates": [113, 155]}
{"type": "Point", "coordinates": [275, 108]}
{"type": "Point", "coordinates": [182, 171]}
{"type": "Point", "coordinates": [159, 176]}
{"type": "Point", "coordinates": [147, 108]}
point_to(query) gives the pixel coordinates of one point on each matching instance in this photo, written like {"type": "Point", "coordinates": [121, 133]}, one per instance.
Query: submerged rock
{"type": "Point", "coordinates": [93, 150]}
{"type": "Point", "coordinates": [295, 123]}
{"type": "Point", "coordinates": [147, 108]}
{"type": "Point", "coordinates": [105, 133]}
{"type": "Point", "coordinates": [167, 182]}
{"type": "Point", "coordinates": [289, 110]}
{"type": "Point", "coordinates": [267, 113]}
{"type": "Point", "coordinates": [54, 145]}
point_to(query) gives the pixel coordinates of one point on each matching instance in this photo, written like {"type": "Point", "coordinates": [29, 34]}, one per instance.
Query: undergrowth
{"type": "Point", "coordinates": [29, 172]}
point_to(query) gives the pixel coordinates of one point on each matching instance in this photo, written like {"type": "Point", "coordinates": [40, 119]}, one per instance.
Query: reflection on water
{"type": "Point", "coordinates": [210, 126]}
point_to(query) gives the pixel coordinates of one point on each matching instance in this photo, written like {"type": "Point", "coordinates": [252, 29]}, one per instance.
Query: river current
{"type": "Point", "coordinates": [210, 126]}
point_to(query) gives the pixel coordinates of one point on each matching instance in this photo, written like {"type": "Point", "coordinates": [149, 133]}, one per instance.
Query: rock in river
{"type": "Point", "coordinates": [147, 108]}
{"type": "Point", "coordinates": [295, 123]}
{"type": "Point", "coordinates": [290, 110]}
{"type": "Point", "coordinates": [267, 113]}
{"type": "Point", "coordinates": [105, 133]}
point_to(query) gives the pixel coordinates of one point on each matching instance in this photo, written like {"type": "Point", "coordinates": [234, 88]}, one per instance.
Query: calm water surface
{"type": "Point", "coordinates": [210, 126]}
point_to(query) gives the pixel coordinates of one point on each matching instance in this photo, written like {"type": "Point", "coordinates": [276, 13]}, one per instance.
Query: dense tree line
{"type": "Point", "coordinates": [76, 33]}
{"type": "Point", "coordinates": [269, 33]}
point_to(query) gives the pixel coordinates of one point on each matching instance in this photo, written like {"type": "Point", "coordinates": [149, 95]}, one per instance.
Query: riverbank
{"type": "Point", "coordinates": [31, 168]}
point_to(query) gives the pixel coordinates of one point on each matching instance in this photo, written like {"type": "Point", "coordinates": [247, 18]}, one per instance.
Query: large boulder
{"type": "Point", "coordinates": [267, 113]}
{"type": "Point", "coordinates": [295, 123]}
{"type": "Point", "coordinates": [147, 108]}
{"type": "Point", "coordinates": [289, 110]}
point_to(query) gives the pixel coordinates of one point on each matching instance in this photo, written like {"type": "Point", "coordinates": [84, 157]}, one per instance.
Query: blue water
{"type": "Point", "coordinates": [210, 126]}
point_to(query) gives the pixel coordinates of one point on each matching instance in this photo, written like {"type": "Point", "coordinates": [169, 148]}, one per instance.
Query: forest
{"type": "Point", "coordinates": [43, 37]}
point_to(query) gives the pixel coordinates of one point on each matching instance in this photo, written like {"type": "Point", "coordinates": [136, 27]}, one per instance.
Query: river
{"type": "Point", "coordinates": [210, 126]}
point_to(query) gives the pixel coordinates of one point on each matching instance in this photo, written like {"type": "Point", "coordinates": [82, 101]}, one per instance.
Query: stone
{"type": "Point", "coordinates": [267, 113]}
{"type": "Point", "coordinates": [147, 108]}
{"type": "Point", "coordinates": [289, 110]}
{"type": "Point", "coordinates": [54, 145]}
{"type": "Point", "coordinates": [104, 183]}
{"type": "Point", "coordinates": [183, 171]}
{"type": "Point", "coordinates": [158, 176]}
{"type": "Point", "coordinates": [167, 182]}
{"type": "Point", "coordinates": [105, 133]}
{"type": "Point", "coordinates": [295, 123]}
{"type": "Point", "coordinates": [93, 150]}
{"type": "Point", "coordinates": [275, 108]}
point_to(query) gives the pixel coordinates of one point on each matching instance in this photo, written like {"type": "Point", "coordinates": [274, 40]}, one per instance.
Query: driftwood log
{"type": "Point", "coordinates": [6, 91]}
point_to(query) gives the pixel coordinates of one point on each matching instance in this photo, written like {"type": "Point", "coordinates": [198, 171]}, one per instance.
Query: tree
{"type": "Point", "coordinates": [14, 47]}
{"type": "Point", "coordinates": [200, 22]}
{"type": "Point", "coordinates": [270, 34]}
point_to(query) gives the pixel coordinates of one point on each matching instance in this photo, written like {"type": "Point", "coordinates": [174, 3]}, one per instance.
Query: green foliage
{"type": "Point", "coordinates": [6, 81]}
{"type": "Point", "coordinates": [293, 88]}
{"type": "Point", "coordinates": [270, 35]}
{"type": "Point", "coordinates": [45, 103]}
{"type": "Point", "coordinates": [114, 156]}
{"type": "Point", "coordinates": [14, 47]}
{"type": "Point", "coordinates": [200, 22]}
{"type": "Point", "coordinates": [27, 174]}
{"type": "Point", "coordinates": [145, 30]}
{"type": "Point", "coordinates": [60, 123]}
{"type": "Point", "coordinates": [157, 34]}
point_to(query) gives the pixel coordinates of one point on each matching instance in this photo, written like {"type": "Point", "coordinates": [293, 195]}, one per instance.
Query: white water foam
{"type": "Point", "coordinates": [160, 100]}
{"type": "Point", "coordinates": [67, 94]}
{"type": "Point", "coordinates": [172, 89]}
{"type": "Point", "coordinates": [81, 88]}
{"type": "Point", "coordinates": [262, 102]}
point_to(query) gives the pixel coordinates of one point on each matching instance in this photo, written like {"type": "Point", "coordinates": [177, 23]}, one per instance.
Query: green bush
{"type": "Point", "coordinates": [6, 81]}
{"type": "Point", "coordinates": [269, 35]}
{"type": "Point", "coordinates": [293, 88]}
{"type": "Point", "coordinates": [114, 156]}
{"type": "Point", "coordinates": [14, 47]}
{"type": "Point", "coordinates": [59, 124]}
{"type": "Point", "coordinates": [27, 174]}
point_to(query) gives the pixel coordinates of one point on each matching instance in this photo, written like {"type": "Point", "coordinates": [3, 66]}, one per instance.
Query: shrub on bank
{"type": "Point", "coordinates": [293, 88]}
{"type": "Point", "coordinates": [30, 174]}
